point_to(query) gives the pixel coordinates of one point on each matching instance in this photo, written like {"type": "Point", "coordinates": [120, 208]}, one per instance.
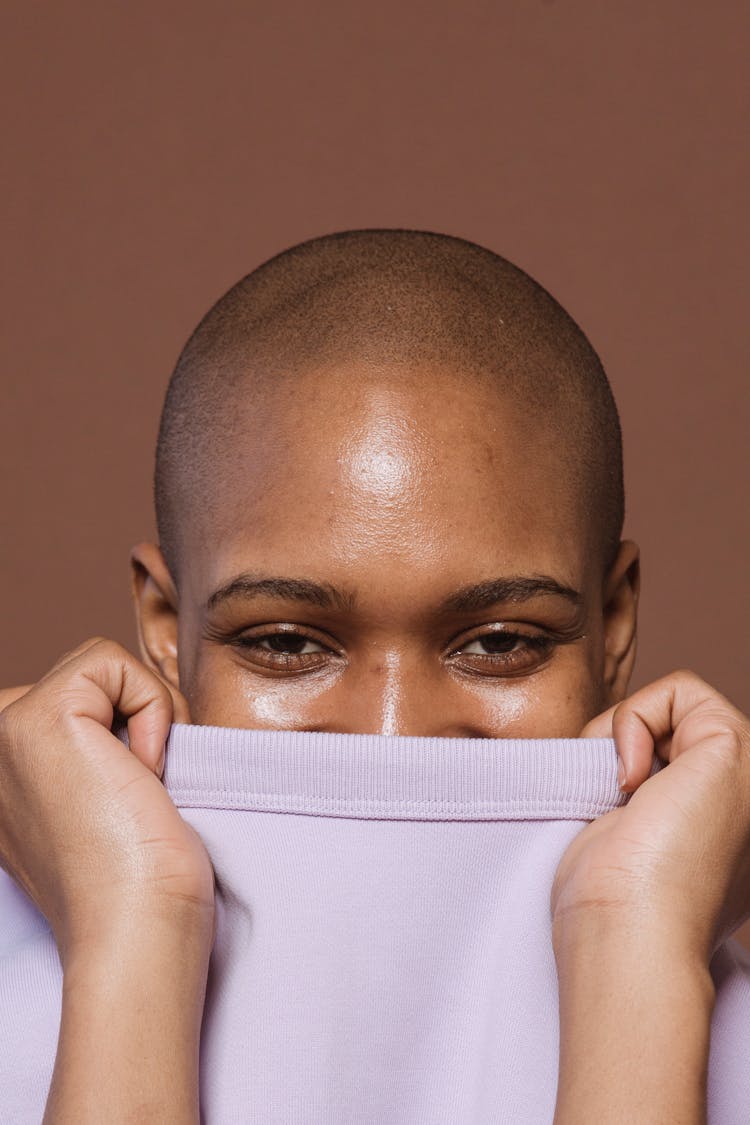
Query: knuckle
{"type": "Point", "coordinates": [164, 691]}
{"type": "Point", "coordinates": [102, 644]}
{"type": "Point", "coordinates": [12, 722]}
{"type": "Point", "coordinates": [76, 654]}
{"type": "Point", "coordinates": [736, 736]}
{"type": "Point", "coordinates": [82, 648]}
{"type": "Point", "coordinates": [731, 741]}
{"type": "Point", "coordinates": [687, 676]}
{"type": "Point", "coordinates": [103, 650]}
{"type": "Point", "coordinates": [98, 645]}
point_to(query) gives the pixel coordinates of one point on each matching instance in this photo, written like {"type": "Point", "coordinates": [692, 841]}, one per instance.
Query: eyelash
{"type": "Point", "coordinates": [282, 660]}
{"type": "Point", "coordinates": [536, 650]}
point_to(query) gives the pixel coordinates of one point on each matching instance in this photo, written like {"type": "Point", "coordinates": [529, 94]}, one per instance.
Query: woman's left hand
{"type": "Point", "coordinates": [679, 852]}
{"type": "Point", "coordinates": [640, 901]}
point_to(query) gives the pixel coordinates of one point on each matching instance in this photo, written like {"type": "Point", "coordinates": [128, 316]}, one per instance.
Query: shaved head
{"type": "Point", "coordinates": [395, 307]}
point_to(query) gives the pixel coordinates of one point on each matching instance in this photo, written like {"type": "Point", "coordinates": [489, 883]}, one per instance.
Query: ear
{"type": "Point", "coordinates": [156, 611]}
{"type": "Point", "coordinates": [621, 589]}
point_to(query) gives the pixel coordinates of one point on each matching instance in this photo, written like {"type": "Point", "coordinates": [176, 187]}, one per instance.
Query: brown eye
{"type": "Point", "coordinates": [284, 651]}
{"type": "Point", "coordinates": [288, 644]}
{"type": "Point", "coordinates": [503, 652]}
{"type": "Point", "coordinates": [493, 643]}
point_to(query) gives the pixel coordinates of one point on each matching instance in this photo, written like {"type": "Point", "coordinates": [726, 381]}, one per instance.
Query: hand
{"type": "Point", "coordinates": [10, 695]}
{"type": "Point", "coordinates": [86, 827]}
{"type": "Point", "coordinates": [679, 852]}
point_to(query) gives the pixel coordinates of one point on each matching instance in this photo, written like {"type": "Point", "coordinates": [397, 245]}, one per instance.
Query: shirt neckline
{"type": "Point", "coordinates": [392, 777]}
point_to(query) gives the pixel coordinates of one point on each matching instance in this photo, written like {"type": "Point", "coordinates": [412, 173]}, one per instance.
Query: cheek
{"type": "Point", "coordinates": [221, 693]}
{"type": "Point", "coordinates": [557, 702]}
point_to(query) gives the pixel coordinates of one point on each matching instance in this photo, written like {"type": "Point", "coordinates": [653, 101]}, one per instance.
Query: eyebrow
{"type": "Point", "coordinates": [290, 589]}
{"type": "Point", "coordinates": [512, 590]}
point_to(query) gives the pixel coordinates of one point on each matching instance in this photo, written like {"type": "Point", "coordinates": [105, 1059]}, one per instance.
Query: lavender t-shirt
{"type": "Point", "coordinates": [383, 952]}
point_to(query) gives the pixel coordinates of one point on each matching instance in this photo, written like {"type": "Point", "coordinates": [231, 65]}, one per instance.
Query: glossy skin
{"type": "Point", "coordinates": [398, 495]}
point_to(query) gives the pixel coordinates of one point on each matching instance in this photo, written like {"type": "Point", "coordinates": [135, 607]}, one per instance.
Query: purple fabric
{"type": "Point", "coordinates": [383, 950]}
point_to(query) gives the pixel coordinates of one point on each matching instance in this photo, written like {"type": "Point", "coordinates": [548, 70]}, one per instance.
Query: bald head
{"type": "Point", "coordinates": [385, 305]}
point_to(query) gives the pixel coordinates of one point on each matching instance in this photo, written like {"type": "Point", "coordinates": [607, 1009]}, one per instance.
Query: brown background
{"type": "Point", "coordinates": [155, 152]}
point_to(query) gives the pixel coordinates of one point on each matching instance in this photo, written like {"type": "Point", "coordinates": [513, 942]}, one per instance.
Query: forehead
{"type": "Point", "coordinates": [373, 471]}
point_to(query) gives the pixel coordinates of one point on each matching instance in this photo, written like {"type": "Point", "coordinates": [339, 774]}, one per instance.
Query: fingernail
{"type": "Point", "coordinates": [621, 773]}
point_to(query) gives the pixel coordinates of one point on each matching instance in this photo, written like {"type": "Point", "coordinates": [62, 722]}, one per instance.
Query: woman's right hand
{"type": "Point", "coordinates": [86, 827]}
{"type": "Point", "coordinates": [90, 833]}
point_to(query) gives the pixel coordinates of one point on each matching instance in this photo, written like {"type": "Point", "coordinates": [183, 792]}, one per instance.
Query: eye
{"type": "Point", "coordinates": [283, 649]}
{"type": "Point", "coordinates": [493, 643]}
{"type": "Point", "coordinates": [503, 652]}
{"type": "Point", "coordinates": [289, 644]}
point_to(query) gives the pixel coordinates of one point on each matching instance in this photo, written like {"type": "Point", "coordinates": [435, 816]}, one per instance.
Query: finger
{"type": "Point", "coordinates": [645, 722]}
{"type": "Point", "coordinates": [122, 682]}
{"type": "Point", "coordinates": [682, 711]}
{"type": "Point", "coordinates": [635, 746]}
{"type": "Point", "coordinates": [180, 704]}
{"type": "Point", "coordinates": [633, 741]}
{"type": "Point", "coordinates": [602, 726]}
{"type": "Point", "coordinates": [10, 695]}
{"type": "Point", "coordinates": [71, 655]}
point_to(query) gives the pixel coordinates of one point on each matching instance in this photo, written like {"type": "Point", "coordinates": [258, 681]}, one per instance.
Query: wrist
{"type": "Point", "coordinates": [608, 942]}
{"type": "Point", "coordinates": [142, 934]}
{"type": "Point", "coordinates": [132, 1009]}
{"type": "Point", "coordinates": [632, 995]}
{"type": "Point", "coordinates": [622, 929]}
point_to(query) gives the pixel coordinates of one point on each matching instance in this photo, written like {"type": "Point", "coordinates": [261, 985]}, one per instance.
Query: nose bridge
{"type": "Point", "coordinates": [396, 694]}
{"type": "Point", "coordinates": [391, 705]}
{"type": "Point", "coordinates": [373, 700]}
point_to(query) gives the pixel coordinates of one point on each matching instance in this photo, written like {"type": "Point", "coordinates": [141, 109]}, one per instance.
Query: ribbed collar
{"type": "Point", "coordinates": [386, 777]}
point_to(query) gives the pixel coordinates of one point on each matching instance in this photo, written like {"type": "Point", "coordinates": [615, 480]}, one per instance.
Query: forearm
{"type": "Point", "coordinates": [635, 1017]}
{"type": "Point", "coordinates": [129, 1040]}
